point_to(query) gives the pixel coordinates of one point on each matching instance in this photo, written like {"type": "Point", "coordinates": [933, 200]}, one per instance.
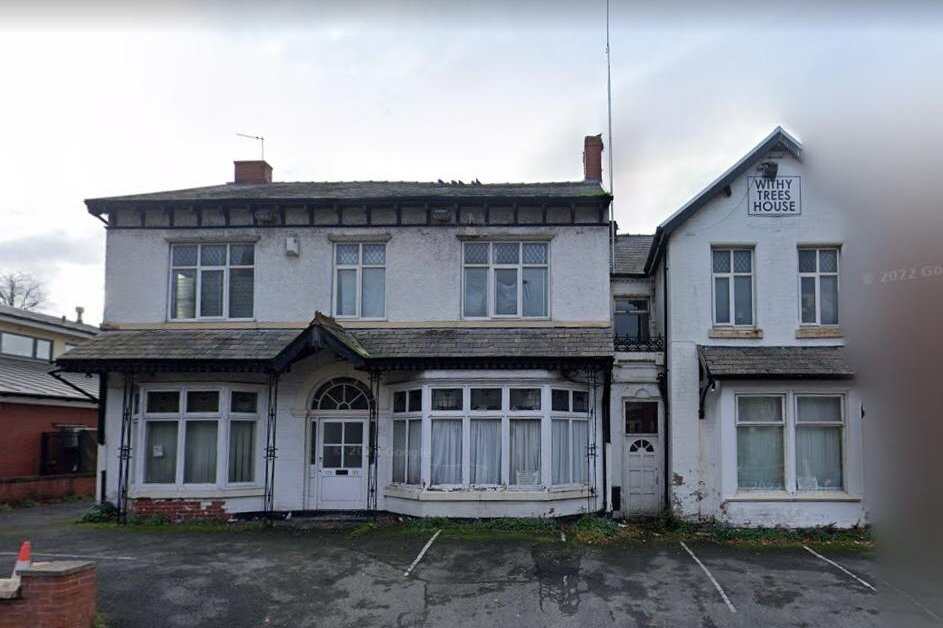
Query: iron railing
{"type": "Point", "coordinates": [636, 344]}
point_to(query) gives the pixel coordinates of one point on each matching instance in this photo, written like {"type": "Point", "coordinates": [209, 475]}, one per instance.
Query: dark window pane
{"type": "Point", "coordinates": [241, 255]}
{"type": "Point", "coordinates": [184, 255]}
{"type": "Point", "coordinates": [353, 457]}
{"type": "Point", "coordinates": [213, 255]}
{"type": "Point", "coordinates": [722, 300]}
{"type": "Point", "coordinates": [163, 401]}
{"type": "Point", "coordinates": [743, 300]}
{"type": "Point", "coordinates": [641, 417]}
{"type": "Point", "coordinates": [332, 432]}
{"type": "Point", "coordinates": [243, 401]}
{"type": "Point", "coordinates": [560, 400]}
{"type": "Point", "coordinates": [807, 260]}
{"type": "Point", "coordinates": [399, 401]}
{"type": "Point", "coordinates": [353, 433]}
{"type": "Point", "coordinates": [721, 261]}
{"type": "Point", "coordinates": [808, 299]}
{"type": "Point", "coordinates": [314, 443]}
{"type": "Point", "coordinates": [447, 399]}
{"type": "Point", "coordinates": [742, 261]}
{"type": "Point", "coordinates": [331, 457]}
{"type": "Point", "coordinates": [241, 292]}
{"type": "Point", "coordinates": [828, 261]}
{"type": "Point", "coordinates": [485, 398]}
{"type": "Point", "coordinates": [580, 401]}
{"type": "Point", "coordinates": [203, 401]}
{"type": "Point", "coordinates": [525, 399]}
{"type": "Point", "coordinates": [829, 287]}
{"type": "Point", "coordinates": [415, 400]}
{"type": "Point", "coordinates": [211, 293]}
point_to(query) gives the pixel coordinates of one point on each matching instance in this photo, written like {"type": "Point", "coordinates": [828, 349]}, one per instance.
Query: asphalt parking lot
{"type": "Point", "coordinates": [285, 577]}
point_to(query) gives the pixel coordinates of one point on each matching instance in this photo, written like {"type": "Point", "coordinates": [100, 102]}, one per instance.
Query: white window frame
{"type": "Point", "coordinates": [783, 426]}
{"type": "Point", "coordinates": [223, 419]}
{"type": "Point", "coordinates": [358, 268]}
{"type": "Point", "coordinates": [493, 266]}
{"type": "Point", "coordinates": [198, 281]}
{"type": "Point", "coordinates": [817, 276]}
{"type": "Point", "coordinates": [840, 425]}
{"type": "Point", "coordinates": [731, 294]}
{"type": "Point", "coordinates": [570, 416]}
{"type": "Point", "coordinates": [407, 416]}
{"type": "Point", "coordinates": [790, 425]}
{"type": "Point", "coordinates": [544, 416]}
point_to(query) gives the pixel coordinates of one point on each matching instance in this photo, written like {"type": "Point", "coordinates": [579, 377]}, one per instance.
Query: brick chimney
{"type": "Point", "coordinates": [253, 172]}
{"type": "Point", "coordinates": [592, 157]}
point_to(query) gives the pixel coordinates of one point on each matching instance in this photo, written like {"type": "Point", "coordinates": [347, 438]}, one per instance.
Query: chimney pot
{"type": "Point", "coordinates": [592, 157]}
{"type": "Point", "coordinates": [257, 171]}
{"type": "Point", "coordinates": [79, 310]}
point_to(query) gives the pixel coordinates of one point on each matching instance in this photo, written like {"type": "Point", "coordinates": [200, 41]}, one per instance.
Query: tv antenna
{"type": "Point", "coordinates": [256, 137]}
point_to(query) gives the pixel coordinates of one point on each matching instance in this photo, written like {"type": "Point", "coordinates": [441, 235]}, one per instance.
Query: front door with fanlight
{"type": "Point", "coordinates": [642, 456]}
{"type": "Point", "coordinates": [339, 463]}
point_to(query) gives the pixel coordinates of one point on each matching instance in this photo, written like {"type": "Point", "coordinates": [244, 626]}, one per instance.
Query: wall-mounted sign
{"type": "Point", "coordinates": [778, 196]}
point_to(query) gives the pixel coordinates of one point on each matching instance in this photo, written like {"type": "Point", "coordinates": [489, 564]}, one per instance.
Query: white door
{"type": "Point", "coordinates": [642, 476]}
{"type": "Point", "coordinates": [338, 469]}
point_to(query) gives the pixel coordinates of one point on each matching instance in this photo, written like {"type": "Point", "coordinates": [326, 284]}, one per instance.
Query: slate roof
{"type": "Point", "coordinates": [631, 252]}
{"type": "Point", "coordinates": [263, 345]}
{"type": "Point", "coordinates": [364, 190]}
{"type": "Point", "coordinates": [775, 362]}
{"type": "Point", "coordinates": [26, 317]}
{"type": "Point", "coordinates": [31, 378]}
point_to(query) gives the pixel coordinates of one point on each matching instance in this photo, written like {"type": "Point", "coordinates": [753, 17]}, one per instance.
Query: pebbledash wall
{"type": "Point", "coordinates": [703, 452]}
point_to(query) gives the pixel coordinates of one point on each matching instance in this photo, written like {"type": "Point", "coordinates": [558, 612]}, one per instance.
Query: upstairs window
{"type": "Point", "coordinates": [818, 286]}
{"type": "Point", "coordinates": [360, 280]}
{"type": "Point", "coordinates": [733, 286]}
{"type": "Point", "coordinates": [212, 281]}
{"type": "Point", "coordinates": [25, 346]}
{"type": "Point", "coordinates": [506, 279]}
{"type": "Point", "coordinates": [632, 319]}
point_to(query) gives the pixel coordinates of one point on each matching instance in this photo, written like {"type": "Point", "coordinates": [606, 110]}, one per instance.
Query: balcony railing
{"type": "Point", "coordinates": [636, 344]}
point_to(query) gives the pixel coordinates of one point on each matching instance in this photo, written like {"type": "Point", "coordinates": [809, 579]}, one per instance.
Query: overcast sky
{"type": "Point", "coordinates": [97, 102]}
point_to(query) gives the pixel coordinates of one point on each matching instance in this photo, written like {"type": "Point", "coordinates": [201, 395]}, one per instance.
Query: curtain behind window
{"type": "Point", "coordinates": [818, 459]}
{"type": "Point", "coordinates": [525, 452]}
{"type": "Point", "coordinates": [560, 458]}
{"type": "Point", "coordinates": [161, 457]}
{"type": "Point", "coordinates": [241, 447]}
{"type": "Point", "coordinates": [760, 458]}
{"type": "Point", "coordinates": [415, 442]}
{"type": "Point", "coordinates": [446, 452]}
{"type": "Point", "coordinates": [535, 291]}
{"type": "Point", "coordinates": [399, 451]}
{"type": "Point", "coordinates": [485, 450]}
{"type": "Point", "coordinates": [580, 450]}
{"type": "Point", "coordinates": [199, 462]}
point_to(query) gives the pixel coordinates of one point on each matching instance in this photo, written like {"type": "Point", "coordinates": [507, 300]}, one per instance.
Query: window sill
{"type": "Point", "coordinates": [175, 492]}
{"type": "Point", "coordinates": [782, 496]}
{"type": "Point", "coordinates": [819, 331]}
{"type": "Point", "coordinates": [486, 494]}
{"type": "Point", "coordinates": [735, 332]}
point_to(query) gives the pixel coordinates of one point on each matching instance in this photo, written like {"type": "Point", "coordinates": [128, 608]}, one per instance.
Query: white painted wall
{"type": "Point", "coordinates": [424, 271]}
{"type": "Point", "coordinates": [701, 453]}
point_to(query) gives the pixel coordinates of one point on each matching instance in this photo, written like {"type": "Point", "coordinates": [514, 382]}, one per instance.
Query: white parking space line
{"type": "Point", "coordinates": [422, 553]}
{"type": "Point", "coordinates": [713, 580]}
{"type": "Point", "coordinates": [834, 564]}
{"type": "Point", "coordinates": [79, 556]}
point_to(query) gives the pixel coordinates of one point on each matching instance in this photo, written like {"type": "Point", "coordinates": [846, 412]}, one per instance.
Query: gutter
{"type": "Point", "coordinates": [55, 374]}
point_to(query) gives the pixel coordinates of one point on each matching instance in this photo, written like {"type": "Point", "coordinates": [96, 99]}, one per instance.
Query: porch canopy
{"type": "Point", "coordinates": [774, 363]}
{"type": "Point", "coordinates": [273, 351]}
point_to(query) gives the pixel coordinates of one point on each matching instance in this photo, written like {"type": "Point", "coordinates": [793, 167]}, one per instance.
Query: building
{"type": "Point", "coordinates": [750, 414]}
{"type": "Point", "coordinates": [470, 350]}
{"type": "Point", "coordinates": [419, 348]}
{"type": "Point", "coordinates": [48, 421]}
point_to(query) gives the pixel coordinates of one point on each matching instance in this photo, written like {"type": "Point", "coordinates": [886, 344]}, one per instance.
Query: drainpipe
{"type": "Point", "coordinates": [666, 393]}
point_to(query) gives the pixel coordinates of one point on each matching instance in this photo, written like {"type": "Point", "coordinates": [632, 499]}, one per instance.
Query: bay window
{"type": "Point", "coordinates": [505, 279]}
{"type": "Point", "coordinates": [212, 280]}
{"type": "Point", "coordinates": [446, 451]}
{"type": "Point", "coordinates": [732, 286]}
{"type": "Point", "coordinates": [214, 428]}
{"type": "Point", "coordinates": [360, 280]}
{"type": "Point", "coordinates": [569, 437]}
{"type": "Point", "coordinates": [813, 427]}
{"type": "Point", "coordinates": [407, 436]}
{"type": "Point", "coordinates": [818, 286]}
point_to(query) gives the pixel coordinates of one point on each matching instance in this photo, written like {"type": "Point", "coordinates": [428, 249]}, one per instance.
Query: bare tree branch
{"type": "Point", "coordinates": [21, 290]}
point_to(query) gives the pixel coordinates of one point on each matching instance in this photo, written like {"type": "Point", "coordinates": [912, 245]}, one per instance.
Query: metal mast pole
{"type": "Point", "coordinates": [612, 216]}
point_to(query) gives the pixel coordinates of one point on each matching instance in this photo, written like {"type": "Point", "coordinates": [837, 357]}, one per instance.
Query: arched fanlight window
{"type": "Point", "coordinates": [642, 445]}
{"type": "Point", "coordinates": [342, 393]}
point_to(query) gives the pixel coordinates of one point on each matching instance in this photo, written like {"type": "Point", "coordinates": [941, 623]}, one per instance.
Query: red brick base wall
{"type": "Point", "coordinates": [42, 487]}
{"type": "Point", "coordinates": [53, 598]}
{"type": "Point", "coordinates": [22, 426]}
{"type": "Point", "coordinates": [180, 510]}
